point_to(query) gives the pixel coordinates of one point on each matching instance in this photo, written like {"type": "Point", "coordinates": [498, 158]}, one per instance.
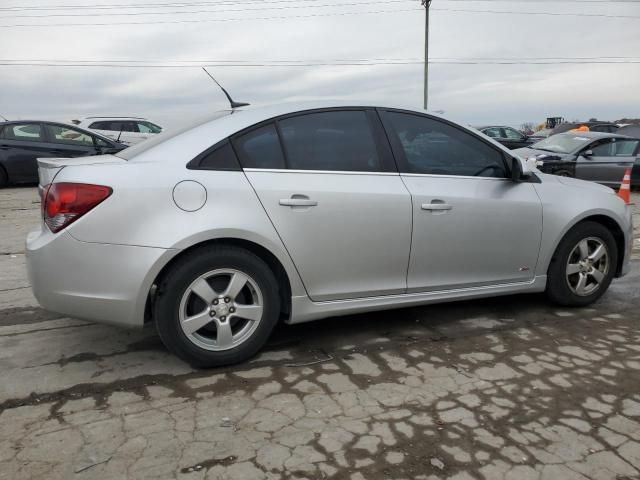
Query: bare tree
{"type": "Point", "coordinates": [527, 127]}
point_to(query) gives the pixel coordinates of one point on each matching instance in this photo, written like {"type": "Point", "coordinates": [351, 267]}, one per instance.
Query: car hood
{"type": "Point", "coordinates": [542, 154]}
{"type": "Point", "coordinates": [576, 183]}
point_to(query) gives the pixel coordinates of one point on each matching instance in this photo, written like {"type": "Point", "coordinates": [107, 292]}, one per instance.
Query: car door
{"type": "Point", "coordinates": [472, 225]}
{"type": "Point", "coordinates": [495, 133]}
{"type": "Point", "coordinates": [605, 161]}
{"type": "Point", "coordinates": [66, 141]}
{"type": "Point", "coordinates": [21, 144]}
{"type": "Point", "coordinates": [513, 138]}
{"type": "Point", "coordinates": [328, 183]}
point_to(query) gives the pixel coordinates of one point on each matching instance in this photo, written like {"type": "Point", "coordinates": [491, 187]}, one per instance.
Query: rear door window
{"type": "Point", "coordinates": [493, 132]}
{"type": "Point", "coordinates": [69, 136]}
{"type": "Point", "coordinates": [25, 132]}
{"type": "Point", "coordinates": [330, 141]}
{"type": "Point", "coordinates": [260, 148]}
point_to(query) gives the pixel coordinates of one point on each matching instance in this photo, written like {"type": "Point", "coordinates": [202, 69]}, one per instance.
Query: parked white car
{"type": "Point", "coordinates": [127, 130]}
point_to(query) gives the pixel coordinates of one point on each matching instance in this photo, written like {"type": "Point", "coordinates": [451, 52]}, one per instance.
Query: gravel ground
{"type": "Point", "coordinates": [510, 388]}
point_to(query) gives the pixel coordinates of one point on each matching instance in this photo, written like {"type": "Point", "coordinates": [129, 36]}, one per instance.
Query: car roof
{"type": "Point", "coordinates": [193, 139]}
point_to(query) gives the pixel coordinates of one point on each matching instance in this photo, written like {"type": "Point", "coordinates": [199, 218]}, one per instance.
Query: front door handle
{"type": "Point", "coordinates": [436, 206]}
{"type": "Point", "coordinates": [298, 201]}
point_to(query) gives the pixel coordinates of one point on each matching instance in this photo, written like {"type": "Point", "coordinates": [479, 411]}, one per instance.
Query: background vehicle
{"type": "Point", "coordinates": [127, 130]}
{"type": "Point", "coordinates": [22, 142]}
{"type": "Point", "coordinates": [602, 127]}
{"type": "Point", "coordinates": [633, 131]}
{"type": "Point", "coordinates": [304, 211]}
{"type": "Point", "coordinates": [598, 157]}
{"type": "Point", "coordinates": [507, 136]}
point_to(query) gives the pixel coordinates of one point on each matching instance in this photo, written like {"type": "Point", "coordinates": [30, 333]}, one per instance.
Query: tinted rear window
{"type": "Point", "coordinates": [333, 141]}
{"type": "Point", "coordinates": [260, 148]}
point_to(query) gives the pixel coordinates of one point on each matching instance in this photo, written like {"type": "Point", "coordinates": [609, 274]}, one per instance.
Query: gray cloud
{"type": "Point", "coordinates": [472, 93]}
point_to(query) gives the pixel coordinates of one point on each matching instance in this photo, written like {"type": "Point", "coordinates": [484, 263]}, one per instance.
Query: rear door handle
{"type": "Point", "coordinates": [436, 206]}
{"type": "Point", "coordinates": [298, 201]}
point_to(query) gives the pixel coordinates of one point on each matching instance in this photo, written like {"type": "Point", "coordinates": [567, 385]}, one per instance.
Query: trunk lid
{"type": "Point", "coordinates": [48, 168]}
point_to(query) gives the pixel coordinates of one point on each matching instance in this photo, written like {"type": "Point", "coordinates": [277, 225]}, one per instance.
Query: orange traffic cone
{"type": "Point", "coordinates": [625, 187]}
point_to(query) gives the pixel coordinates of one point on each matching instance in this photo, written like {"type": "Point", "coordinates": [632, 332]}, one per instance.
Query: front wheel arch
{"type": "Point", "coordinates": [613, 227]}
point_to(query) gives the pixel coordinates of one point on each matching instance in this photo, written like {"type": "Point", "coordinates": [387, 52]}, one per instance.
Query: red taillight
{"type": "Point", "coordinates": [64, 203]}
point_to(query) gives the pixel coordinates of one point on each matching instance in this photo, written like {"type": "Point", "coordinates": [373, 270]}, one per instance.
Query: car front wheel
{"type": "Point", "coordinates": [583, 266]}
{"type": "Point", "coordinates": [217, 306]}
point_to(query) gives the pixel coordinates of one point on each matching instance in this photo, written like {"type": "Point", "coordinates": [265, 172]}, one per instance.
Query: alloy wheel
{"type": "Point", "coordinates": [221, 309]}
{"type": "Point", "coordinates": [587, 266]}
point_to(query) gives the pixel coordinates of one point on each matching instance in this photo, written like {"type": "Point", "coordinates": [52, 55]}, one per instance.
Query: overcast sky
{"type": "Point", "coordinates": [313, 33]}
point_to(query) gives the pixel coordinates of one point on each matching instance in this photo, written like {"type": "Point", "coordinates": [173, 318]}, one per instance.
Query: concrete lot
{"type": "Point", "coordinates": [510, 388]}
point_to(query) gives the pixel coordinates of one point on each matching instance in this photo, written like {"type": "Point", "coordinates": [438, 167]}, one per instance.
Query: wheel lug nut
{"type": "Point", "coordinates": [222, 319]}
{"type": "Point", "coordinates": [215, 302]}
{"type": "Point", "coordinates": [227, 299]}
{"type": "Point", "coordinates": [232, 309]}
{"type": "Point", "coordinates": [212, 313]}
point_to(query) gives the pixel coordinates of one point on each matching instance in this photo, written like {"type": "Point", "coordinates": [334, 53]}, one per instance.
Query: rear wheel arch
{"type": "Point", "coordinates": [612, 225]}
{"type": "Point", "coordinates": [284, 283]}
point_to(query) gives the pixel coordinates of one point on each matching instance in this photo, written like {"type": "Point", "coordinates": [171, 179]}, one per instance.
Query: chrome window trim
{"type": "Point", "coordinates": [326, 172]}
{"type": "Point", "coordinates": [454, 176]}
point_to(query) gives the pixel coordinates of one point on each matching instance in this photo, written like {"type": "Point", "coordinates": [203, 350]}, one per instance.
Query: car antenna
{"type": "Point", "coordinates": [4, 118]}
{"type": "Point", "coordinates": [233, 103]}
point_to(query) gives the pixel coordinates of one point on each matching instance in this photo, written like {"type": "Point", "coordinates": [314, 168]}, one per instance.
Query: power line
{"type": "Point", "coordinates": [209, 20]}
{"type": "Point", "coordinates": [322, 61]}
{"type": "Point", "coordinates": [332, 14]}
{"type": "Point", "coordinates": [321, 64]}
{"type": "Point", "coordinates": [554, 14]}
{"type": "Point", "coordinates": [176, 4]}
{"type": "Point", "coordinates": [325, 5]}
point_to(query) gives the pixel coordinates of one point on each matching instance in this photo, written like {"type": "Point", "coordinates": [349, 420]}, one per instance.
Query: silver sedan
{"type": "Point", "coordinates": [293, 213]}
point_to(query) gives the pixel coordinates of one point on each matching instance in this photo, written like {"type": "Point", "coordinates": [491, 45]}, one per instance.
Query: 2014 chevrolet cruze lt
{"type": "Point", "coordinates": [297, 212]}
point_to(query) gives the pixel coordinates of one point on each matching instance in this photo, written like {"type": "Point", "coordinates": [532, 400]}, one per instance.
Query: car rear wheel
{"type": "Point", "coordinates": [583, 266]}
{"type": "Point", "coordinates": [217, 306]}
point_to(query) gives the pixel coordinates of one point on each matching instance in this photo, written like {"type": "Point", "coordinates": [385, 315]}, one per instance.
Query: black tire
{"type": "Point", "coordinates": [176, 282]}
{"type": "Point", "coordinates": [563, 173]}
{"type": "Point", "coordinates": [558, 288]}
{"type": "Point", "coordinates": [4, 180]}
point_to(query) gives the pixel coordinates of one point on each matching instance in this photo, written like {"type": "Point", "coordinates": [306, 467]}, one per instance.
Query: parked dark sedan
{"type": "Point", "coordinates": [507, 136]}
{"type": "Point", "coordinates": [599, 157]}
{"type": "Point", "coordinates": [22, 142]}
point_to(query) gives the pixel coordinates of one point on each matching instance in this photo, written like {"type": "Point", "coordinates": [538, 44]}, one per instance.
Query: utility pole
{"type": "Point", "coordinates": [426, 4]}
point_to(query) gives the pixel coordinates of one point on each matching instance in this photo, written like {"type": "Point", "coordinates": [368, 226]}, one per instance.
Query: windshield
{"type": "Point", "coordinates": [129, 153]}
{"type": "Point", "coordinates": [562, 143]}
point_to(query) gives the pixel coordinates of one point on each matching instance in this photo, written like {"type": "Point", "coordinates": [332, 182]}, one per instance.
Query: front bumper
{"type": "Point", "coordinates": [99, 282]}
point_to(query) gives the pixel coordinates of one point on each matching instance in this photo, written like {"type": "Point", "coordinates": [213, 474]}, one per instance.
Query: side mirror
{"type": "Point", "coordinates": [587, 153]}
{"type": "Point", "coordinates": [520, 169]}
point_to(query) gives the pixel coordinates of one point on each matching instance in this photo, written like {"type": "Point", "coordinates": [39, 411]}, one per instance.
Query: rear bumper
{"type": "Point", "coordinates": [92, 281]}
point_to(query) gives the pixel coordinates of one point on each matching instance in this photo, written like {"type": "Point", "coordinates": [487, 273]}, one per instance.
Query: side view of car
{"type": "Point", "coordinates": [23, 142]}
{"type": "Point", "coordinates": [507, 136]}
{"type": "Point", "coordinates": [598, 157]}
{"type": "Point", "coordinates": [297, 212]}
{"type": "Point", "coordinates": [127, 130]}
